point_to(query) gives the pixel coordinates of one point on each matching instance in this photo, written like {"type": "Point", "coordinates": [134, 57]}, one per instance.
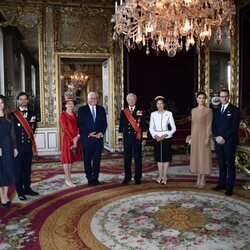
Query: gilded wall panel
{"type": "Point", "coordinates": [118, 80]}
{"type": "Point", "coordinates": [86, 30]}
{"type": "Point", "coordinates": [49, 69]}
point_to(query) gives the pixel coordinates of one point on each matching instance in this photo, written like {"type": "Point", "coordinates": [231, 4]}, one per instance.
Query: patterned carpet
{"type": "Point", "coordinates": [115, 216]}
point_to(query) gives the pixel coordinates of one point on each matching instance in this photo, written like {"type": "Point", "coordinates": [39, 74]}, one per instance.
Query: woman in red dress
{"type": "Point", "coordinates": [71, 149]}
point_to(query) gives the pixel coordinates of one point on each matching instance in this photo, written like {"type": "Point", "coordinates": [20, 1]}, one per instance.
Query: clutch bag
{"type": "Point", "coordinates": [73, 150]}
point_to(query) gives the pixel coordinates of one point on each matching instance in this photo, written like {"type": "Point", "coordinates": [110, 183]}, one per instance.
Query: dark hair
{"type": "Point", "coordinates": [160, 98]}
{"type": "Point", "coordinates": [22, 93]}
{"type": "Point", "coordinates": [6, 109]}
{"type": "Point", "coordinates": [224, 90]}
{"type": "Point", "coordinates": [200, 93]}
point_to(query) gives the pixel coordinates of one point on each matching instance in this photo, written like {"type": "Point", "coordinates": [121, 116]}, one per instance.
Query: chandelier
{"type": "Point", "coordinates": [168, 25]}
{"type": "Point", "coordinates": [77, 81]}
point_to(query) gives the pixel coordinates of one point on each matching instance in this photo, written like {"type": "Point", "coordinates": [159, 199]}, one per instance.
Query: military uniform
{"type": "Point", "coordinates": [23, 160]}
{"type": "Point", "coordinates": [132, 144]}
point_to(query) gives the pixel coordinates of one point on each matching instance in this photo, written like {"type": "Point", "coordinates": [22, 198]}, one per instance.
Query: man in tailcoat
{"type": "Point", "coordinates": [132, 134]}
{"type": "Point", "coordinates": [226, 121]}
{"type": "Point", "coordinates": [92, 123]}
{"type": "Point", "coordinates": [24, 120]}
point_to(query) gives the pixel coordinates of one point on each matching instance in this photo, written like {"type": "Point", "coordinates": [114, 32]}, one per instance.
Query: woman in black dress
{"type": "Point", "coordinates": [7, 152]}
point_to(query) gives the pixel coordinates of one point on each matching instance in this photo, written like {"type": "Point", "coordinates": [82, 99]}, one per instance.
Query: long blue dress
{"type": "Point", "coordinates": [7, 144]}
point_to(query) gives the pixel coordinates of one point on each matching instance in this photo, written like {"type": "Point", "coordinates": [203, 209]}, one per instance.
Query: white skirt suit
{"type": "Point", "coordinates": [162, 124]}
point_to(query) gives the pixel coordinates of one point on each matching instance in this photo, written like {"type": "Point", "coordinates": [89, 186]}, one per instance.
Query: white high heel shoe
{"type": "Point", "coordinates": [70, 184]}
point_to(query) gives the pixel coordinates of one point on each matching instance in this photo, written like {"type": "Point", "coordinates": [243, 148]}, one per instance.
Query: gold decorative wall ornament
{"type": "Point", "coordinates": [83, 30]}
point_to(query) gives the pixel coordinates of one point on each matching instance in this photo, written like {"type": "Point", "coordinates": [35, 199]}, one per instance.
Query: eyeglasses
{"type": "Point", "coordinates": [224, 96]}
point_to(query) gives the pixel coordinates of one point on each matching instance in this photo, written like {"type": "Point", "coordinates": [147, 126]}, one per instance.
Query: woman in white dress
{"type": "Point", "coordinates": [162, 128]}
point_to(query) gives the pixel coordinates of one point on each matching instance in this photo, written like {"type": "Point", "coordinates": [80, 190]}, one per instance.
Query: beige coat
{"type": "Point", "coordinates": [201, 157]}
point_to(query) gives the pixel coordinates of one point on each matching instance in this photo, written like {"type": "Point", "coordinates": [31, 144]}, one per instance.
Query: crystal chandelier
{"type": "Point", "coordinates": [168, 25]}
{"type": "Point", "coordinates": [77, 81]}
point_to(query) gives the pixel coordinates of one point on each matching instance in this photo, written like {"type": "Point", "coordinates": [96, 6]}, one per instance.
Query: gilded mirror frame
{"type": "Point", "coordinates": [84, 56]}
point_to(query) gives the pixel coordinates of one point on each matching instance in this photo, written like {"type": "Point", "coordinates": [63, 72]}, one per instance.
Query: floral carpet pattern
{"type": "Point", "coordinates": [115, 216]}
{"type": "Point", "coordinates": [174, 220]}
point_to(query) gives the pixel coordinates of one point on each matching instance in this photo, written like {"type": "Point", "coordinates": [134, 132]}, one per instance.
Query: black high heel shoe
{"type": "Point", "coordinates": [6, 205]}
{"type": "Point", "coordinates": [158, 181]}
{"type": "Point", "coordinates": [164, 182]}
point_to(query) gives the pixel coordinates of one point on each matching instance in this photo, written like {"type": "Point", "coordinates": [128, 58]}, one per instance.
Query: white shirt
{"type": "Point", "coordinates": [22, 109]}
{"type": "Point", "coordinates": [159, 122]}
{"type": "Point", "coordinates": [225, 106]}
{"type": "Point", "coordinates": [91, 108]}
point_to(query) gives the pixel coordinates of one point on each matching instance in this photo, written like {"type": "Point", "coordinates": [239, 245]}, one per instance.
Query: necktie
{"type": "Point", "coordinates": [93, 113]}
{"type": "Point", "coordinates": [222, 109]}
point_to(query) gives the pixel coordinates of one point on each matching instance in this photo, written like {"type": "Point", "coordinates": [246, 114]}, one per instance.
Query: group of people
{"type": "Point", "coordinates": [86, 130]}
{"type": "Point", "coordinates": [17, 146]}
{"type": "Point", "coordinates": [82, 137]}
{"type": "Point", "coordinates": [222, 125]}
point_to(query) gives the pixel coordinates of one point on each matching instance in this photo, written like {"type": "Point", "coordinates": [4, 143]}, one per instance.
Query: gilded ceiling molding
{"type": "Point", "coordinates": [20, 15]}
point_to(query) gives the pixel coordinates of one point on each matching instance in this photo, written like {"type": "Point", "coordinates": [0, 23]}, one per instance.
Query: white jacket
{"type": "Point", "coordinates": [159, 124]}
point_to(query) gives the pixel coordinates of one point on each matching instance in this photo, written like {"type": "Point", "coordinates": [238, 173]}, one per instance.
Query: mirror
{"type": "Point", "coordinates": [20, 36]}
{"type": "Point", "coordinates": [219, 70]}
{"type": "Point", "coordinates": [78, 77]}
{"type": "Point", "coordinates": [219, 65]}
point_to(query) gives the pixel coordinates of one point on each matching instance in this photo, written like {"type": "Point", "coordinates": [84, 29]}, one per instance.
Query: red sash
{"type": "Point", "coordinates": [133, 122]}
{"type": "Point", "coordinates": [27, 128]}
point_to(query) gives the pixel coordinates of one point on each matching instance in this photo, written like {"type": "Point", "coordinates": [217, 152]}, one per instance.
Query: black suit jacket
{"type": "Point", "coordinates": [24, 144]}
{"type": "Point", "coordinates": [227, 124]}
{"type": "Point", "coordinates": [126, 131]}
{"type": "Point", "coordinates": [87, 125]}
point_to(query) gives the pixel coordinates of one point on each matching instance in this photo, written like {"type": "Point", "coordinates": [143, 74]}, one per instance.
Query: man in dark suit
{"type": "Point", "coordinates": [225, 126]}
{"type": "Point", "coordinates": [132, 134]}
{"type": "Point", "coordinates": [92, 123]}
{"type": "Point", "coordinates": [24, 121]}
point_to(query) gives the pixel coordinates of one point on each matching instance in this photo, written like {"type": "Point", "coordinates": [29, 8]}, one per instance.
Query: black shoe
{"type": "Point", "coordinates": [90, 182]}
{"type": "Point", "coordinates": [96, 182]}
{"type": "Point", "coordinates": [31, 192]}
{"type": "Point", "coordinates": [6, 205]}
{"type": "Point", "coordinates": [125, 181]}
{"type": "Point", "coordinates": [218, 188]}
{"type": "Point", "coordinates": [138, 182]}
{"type": "Point", "coordinates": [22, 197]}
{"type": "Point", "coordinates": [229, 192]}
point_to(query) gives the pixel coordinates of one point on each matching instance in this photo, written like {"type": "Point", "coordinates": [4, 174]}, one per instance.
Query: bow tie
{"type": "Point", "coordinates": [24, 111]}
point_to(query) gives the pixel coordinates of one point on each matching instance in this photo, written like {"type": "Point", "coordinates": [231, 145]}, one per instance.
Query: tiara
{"type": "Point", "coordinates": [159, 96]}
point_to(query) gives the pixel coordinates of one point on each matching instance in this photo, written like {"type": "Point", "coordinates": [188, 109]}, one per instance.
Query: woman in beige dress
{"type": "Point", "coordinates": [201, 158]}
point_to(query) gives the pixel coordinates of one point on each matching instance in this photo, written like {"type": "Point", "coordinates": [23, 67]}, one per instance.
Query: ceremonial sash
{"type": "Point", "coordinates": [133, 123]}
{"type": "Point", "coordinates": [27, 128]}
